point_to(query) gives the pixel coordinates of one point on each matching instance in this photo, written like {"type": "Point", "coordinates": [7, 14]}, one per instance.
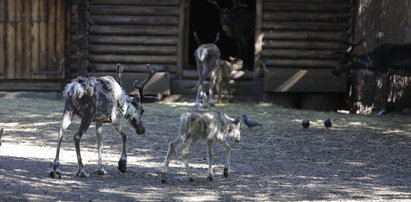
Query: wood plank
{"type": "Point", "coordinates": [300, 63]}
{"type": "Point", "coordinates": [258, 37]}
{"type": "Point", "coordinates": [43, 42]}
{"type": "Point", "coordinates": [306, 17]}
{"type": "Point", "coordinates": [298, 54]}
{"type": "Point", "coordinates": [133, 49]}
{"type": "Point", "coordinates": [160, 83]}
{"type": "Point", "coordinates": [60, 37]}
{"type": "Point", "coordinates": [30, 85]}
{"type": "Point", "coordinates": [307, 7]}
{"type": "Point", "coordinates": [51, 36]}
{"type": "Point", "coordinates": [306, 35]}
{"type": "Point", "coordinates": [307, 26]}
{"type": "Point", "coordinates": [130, 67]}
{"type": "Point", "coordinates": [136, 2]}
{"type": "Point", "coordinates": [133, 30]}
{"type": "Point", "coordinates": [182, 32]}
{"type": "Point", "coordinates": [312, 1]}
{"type": "Point", "coordinates": [11, 40]}
{"type": "Point", "coordinates": [3, 7]}
{"type": "Point", "coordinates": [133, 10]}
{"type": "Point", "coordinates": [19, 68]}
{"type": "Point", "coordinates": [133, 20]}
{"type": "Point", "coordinates": [142, 40]}
{"type": "Point", "coordinates": [35, 38]}
{"type": "Point", "coordinates": [300, 80]}
{"type": "Point", "coordinates": [27, 18]}
{"type": "Point", "coordinates": [317, 45]}
{"type": "Point", "coordinates": [153, 59]}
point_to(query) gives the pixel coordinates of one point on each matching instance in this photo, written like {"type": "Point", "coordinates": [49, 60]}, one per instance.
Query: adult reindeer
{"type": "Point", "coordinates": [100, 100]}
{"type": "Point", "coordinates": [385, 60]}
{"type": "Point", "coordinates": [207, 59]}
{"type": "Point", "coordinates": [238, 23]}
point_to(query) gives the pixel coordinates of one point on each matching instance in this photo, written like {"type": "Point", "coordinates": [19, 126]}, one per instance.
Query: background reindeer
{"type": "Point", "coordinates": [100, 100]}
{"type": "Point", "coordinates": [204, 125]}
{"type": "Point", "coordinates": [207, 57]}
{"type": "Point", "coordinates": [238, 23]}
{"type": "Point", "coordinates": [385, 60]}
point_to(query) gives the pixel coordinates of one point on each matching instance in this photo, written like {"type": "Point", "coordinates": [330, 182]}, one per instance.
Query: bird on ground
{"type": "Point", "coordinates": [305, 123]}
{"type": "Point", "coordinates": [250, 123]}
{"type": "Point", "coordinates": [328, 123]}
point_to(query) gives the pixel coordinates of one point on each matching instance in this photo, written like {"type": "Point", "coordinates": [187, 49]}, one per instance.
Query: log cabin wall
{"type": "Point", "coordinates": [294, 39]}
{"type": "Point", "coordinates": [131, 32]}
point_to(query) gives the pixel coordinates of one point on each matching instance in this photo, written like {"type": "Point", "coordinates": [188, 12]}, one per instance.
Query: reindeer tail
{"type": "Point", "coordinates": [78, 88]}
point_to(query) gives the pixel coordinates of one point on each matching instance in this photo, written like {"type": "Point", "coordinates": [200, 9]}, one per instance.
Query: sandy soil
{"type": "Point", "coordinates": [359, 158]}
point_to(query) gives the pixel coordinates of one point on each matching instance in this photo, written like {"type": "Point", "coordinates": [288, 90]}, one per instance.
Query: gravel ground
{"type": "Point", "coordinates": [359, 158]}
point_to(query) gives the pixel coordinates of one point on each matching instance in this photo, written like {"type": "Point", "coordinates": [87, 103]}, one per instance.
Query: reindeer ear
{"type": "Point", "coordinates": [237, 120]}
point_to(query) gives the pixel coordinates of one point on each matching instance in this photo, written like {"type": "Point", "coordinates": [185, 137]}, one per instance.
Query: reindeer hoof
{"type": "Point", "coordinates": [381, 112]}
{"type": "Point", "coordinates": [191, 179]}
{"type": "Point", "coordinates": [82, 173]}
{"type": "Point", "coordinates": [164, 181]}
{"type": "Point", "coordinates": [122, 165]}
{"type": "Point", "coordinates": [209, 178]}
{"type": "Point", "coordinates": [101, 171]}
{"type": "Point", "coordinates": [225, 173]}
{"type": "Point", "coordinates": [54, 173]}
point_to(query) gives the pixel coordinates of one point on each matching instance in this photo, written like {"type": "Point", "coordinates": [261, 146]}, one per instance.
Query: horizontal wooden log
{"type": "Point", "coordinates": [306, 17]}
{"type": "Point", "coordinates": [313, 1]}
{"type": "Point", "coordinates": [307, 7]}
{"type": "Point", "coordinates": [136, 2]}
{"type": "Point", "coordinates": [300, 63]}
{"type": "Point", "coordinates": [25, 85]}
{"type": "Point", "coordinates": [130, 67]}
{"type": "Point", "coordinates": [317, 45]}
{"type": "Point", "coordinates": [133, 49]}
{"type": "Point", "coordinates": [153, 59]}
{"type": "Point", "coordinates": [300, 80]}
{"type": "Point", "coordinates": [153, 40]}
{"type": "Point", "coordinates": [298, 54]}
{"type": "Point", "coordinates": [133, 30]}
{"type": "Point", "coordinates": [237, 75]}
{"type": "Point", "coordinates": [133, 20]}
{"type": "Point", "coordinates": [134, 10]}
{"type": "Point", "coordinates": [306, 26]}
{"type": "Point", "coordinates": [305, 35]}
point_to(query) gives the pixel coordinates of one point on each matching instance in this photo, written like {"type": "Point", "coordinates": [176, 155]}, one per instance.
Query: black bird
{"type": "Point", "coordinates": [328, 123]}
{"type": "Point", "coordinates": [305, 123]}
{"type": "Point", "coordinates": [250, 122]}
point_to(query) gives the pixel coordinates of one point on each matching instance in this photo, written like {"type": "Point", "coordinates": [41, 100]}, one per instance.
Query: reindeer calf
{"type": "Point", "coordinates": [203, 125]}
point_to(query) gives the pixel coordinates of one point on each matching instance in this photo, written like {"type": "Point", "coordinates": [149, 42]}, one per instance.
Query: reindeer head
{"type": "Point", "coordinates": [135, 110]}
{"type": "Point", "coordinates": [346, 62]}
{"type": "Point", "coordinates": [226, 20]}
{"type": "Point", "coordinates": [234, 130]}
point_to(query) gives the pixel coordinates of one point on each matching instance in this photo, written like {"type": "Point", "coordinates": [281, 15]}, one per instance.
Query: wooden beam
{"type": "Point", "coordinates": [136, 2]}
{"type": "Point", "coordinates": [133, 49]}
{"type": "Point", "coordinates": [115, 39]}
{"type": "Point", "coordinates": [153, 59]}
{"type": "Point", "coordinates": [133, 10]}
{"type": "Point", "coordinates": [133, 30]}
{"type": "Point", "coordinates": [133, 20]}
{"type": "Point", "coordinates": [302, 80]}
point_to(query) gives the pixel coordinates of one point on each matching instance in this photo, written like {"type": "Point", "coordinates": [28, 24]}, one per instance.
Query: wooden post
{"type": "Point", "coordinates": [258, 39]}
{"type": "Point", "coordinates": [182, 37]}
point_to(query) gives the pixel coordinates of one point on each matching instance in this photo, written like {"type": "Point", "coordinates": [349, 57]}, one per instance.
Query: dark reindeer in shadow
{"type": "Point", "coordinates": [238, 23]}
{"type": "Point", "coordinates": [100, 100]}
{"type": "Point", "coordinates": [385, 60]}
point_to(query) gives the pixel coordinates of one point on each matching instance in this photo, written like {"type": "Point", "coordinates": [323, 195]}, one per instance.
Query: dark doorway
{"type": "Point", "coordinates": [205, 20]}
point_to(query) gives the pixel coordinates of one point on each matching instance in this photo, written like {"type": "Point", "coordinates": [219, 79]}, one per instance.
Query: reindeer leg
{"type": "Point", "coordinates": [385, 87]}
{"type": "Point", "coordinates": [85, 123]}
{"type": "Point", "coordinates": [197, 101]}
{"type": "Point", "coordinates": [213, 80]}
{"type": "Point", "coordinates": [99, 131]}
{"type": "Point", "coordinates": [171, 149]}
{"type": "Point", "coordinates": [210, 159]}
{"type": "Point", "coordinates": [55, 164]}
{"type": "Point", "coordinates": [185, 152]}
{"type": "Point", "coordinates": [122, 163]}
{"type": "Point", "coordinates": [227, 147]}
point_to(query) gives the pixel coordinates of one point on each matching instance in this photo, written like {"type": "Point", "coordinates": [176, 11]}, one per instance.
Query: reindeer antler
{"type": "Point", "coordinates": [214, 2]}
{"type": "Point", "coordinates": [119, 70]}
{"type": "Point", "coordinates": [152, 69]}
{"type": "Point", "coordinates": [197, 39]}
{"type": "Point", "coordinates": [217, 37]}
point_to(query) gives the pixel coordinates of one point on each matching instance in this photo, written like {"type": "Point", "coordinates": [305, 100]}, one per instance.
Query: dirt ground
{"type": "Point", "coordinates": [359, 158]}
